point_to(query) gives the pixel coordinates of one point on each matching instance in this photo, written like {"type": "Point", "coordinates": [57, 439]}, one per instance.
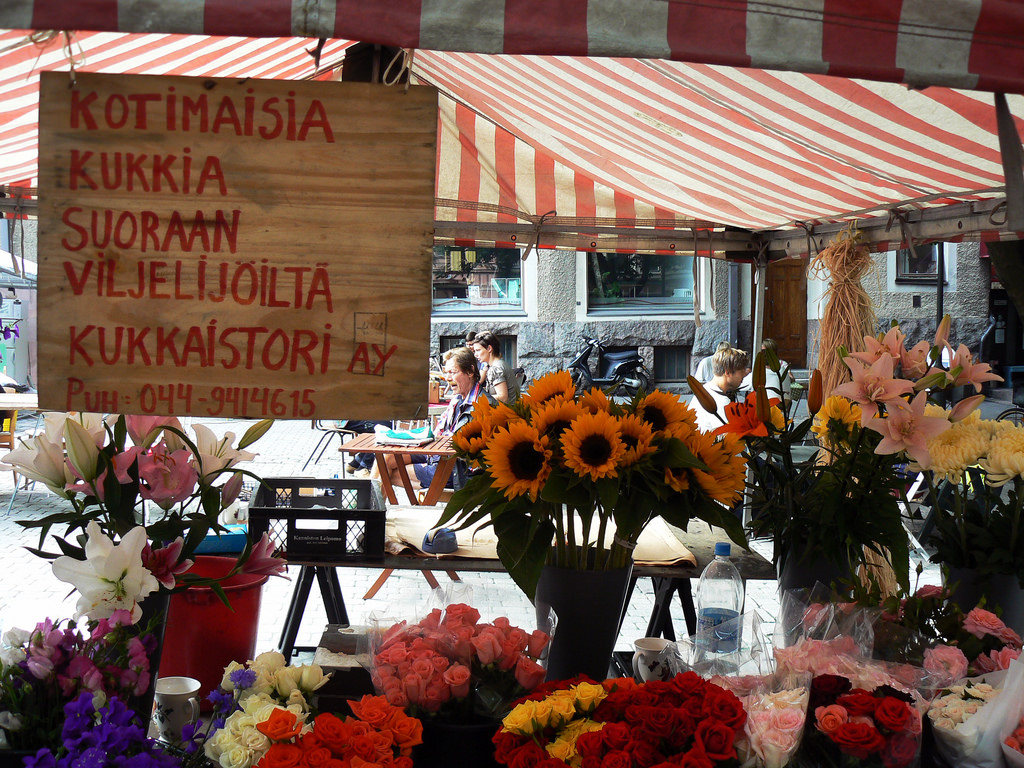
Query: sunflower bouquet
{"type": "Point", "coordinates": [573, 480]}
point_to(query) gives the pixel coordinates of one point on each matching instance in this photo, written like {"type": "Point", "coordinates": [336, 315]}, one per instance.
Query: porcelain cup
{"type": "Point", "coordinates": [649, 662]}
{"type": "Point", "coordinates": [177, 705]}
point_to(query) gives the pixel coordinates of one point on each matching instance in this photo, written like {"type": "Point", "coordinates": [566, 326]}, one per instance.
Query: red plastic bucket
{"type": "Point", "coordinates": [203, 635]}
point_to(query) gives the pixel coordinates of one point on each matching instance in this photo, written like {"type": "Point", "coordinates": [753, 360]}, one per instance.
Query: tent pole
{"type": "Point", "coordinates": [760, 292]}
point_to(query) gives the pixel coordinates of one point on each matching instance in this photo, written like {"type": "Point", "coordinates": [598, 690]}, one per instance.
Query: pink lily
{"type": "Point", "coordinates": [122, 463]}
{"type": "Point", "coordinates": [914, 361]}
{"type": "Point", "coordinates": [167, 478]}
{"type": "Point", "coordinates": [262, 559]}
{"type": "Point", "coordinates": [891, 344]}
{"type": "Point", "coordinates": [872, 386]}
{"type": "Point", "coordinates": [965, 408]}
{"type": "Point", "coordinates": [971, 372]}
{"type": "Point", "coordinates": [143, 430]}
{"type": "Point", "coordinates": [163, 562]}
{"type": "Point", "coordinates": [906, 428]}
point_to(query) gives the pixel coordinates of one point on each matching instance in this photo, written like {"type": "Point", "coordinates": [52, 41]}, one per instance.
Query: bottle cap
{"type": "Point", "coordinates": [722, 549]}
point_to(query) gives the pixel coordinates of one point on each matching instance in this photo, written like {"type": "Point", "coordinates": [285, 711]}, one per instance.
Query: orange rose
{"type": "Point", "coordinates": [280, 726]}
{"type": "Point", "coordinates": [830, 718]}
{"type": "Point", "coordinates": [281, 756]}
{"type": "Point", "coordinates": [333, 732]}
{"type": "Point", "coordinates": [407, 732]}
{"type": "Point", "coordinates": [374, 710]}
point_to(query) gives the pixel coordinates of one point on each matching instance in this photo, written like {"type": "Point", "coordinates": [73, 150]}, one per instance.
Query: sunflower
{"type": "Point", "coordinates": [677, 478]}
{"type": "Point", "coordinates": [518, 460]}
{"type": "Point", "coordinates": [663, 410]}
{"type": "Point", "coordinates": [492, 417]}
{"type": "Point", "coordinates": [554, 417]}
{"type": "Point", "coordinates": [837, 421]}
{"type": "Point", "coordinates": [471, 440]}
{"type": "Point", "coordinates": [593, 445]}
{"type": "Point", "coordinates": [724, 479]}
{"type": "Point", "coordinates": [636, 436]}
{"type": "Point", "coordinates": [548, 387]}
{"type": "Point", "coordinates": [595, 400]}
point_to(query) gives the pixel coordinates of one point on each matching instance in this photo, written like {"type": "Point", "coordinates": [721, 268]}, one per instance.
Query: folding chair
{"type": "Point", "coordinates": [329, 429]}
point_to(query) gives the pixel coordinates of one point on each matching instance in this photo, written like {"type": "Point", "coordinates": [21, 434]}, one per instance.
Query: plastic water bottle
{"type": "Point", "coordinates": [719, 600]}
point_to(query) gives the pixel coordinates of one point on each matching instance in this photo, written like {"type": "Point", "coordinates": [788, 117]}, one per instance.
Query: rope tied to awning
{"type": "Point", "coordinates": [404, 59]}
{"type": "Point", "coordinates": [905, 233]}
{"type": "Point", "coordinates": [535, 237]}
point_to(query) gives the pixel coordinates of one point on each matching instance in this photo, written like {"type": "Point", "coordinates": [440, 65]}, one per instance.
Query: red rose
{"type": "Point", "coordinates": [590, 744]}
{"type": "Point", "coordinates": [526, 756]}
{"type": "Point", "coordinates": [717, 739]}
{"type": "Point", "coordinates": [617, 759]}
{"type": "Point", "coordinates": [900, 750]}
{"type": "Point", "coordinates": [505, 742]}
{"type": "Point", "coordinates": [316, 758]}
{"type": "Point", "coordinates": [858, 702]}
{"type": "Point", "coordinates": [615, 735]}
{"type": "Point", "coordinates": [658, 722]}
{"type": "Point", "coordinates": [590, 761]}
{"type": "Point", "coordinates": [658, 687]}
{"type": "Point", "coordinates": [858, 739]}
{"type": "Point", "coordinates": [696, 757]}
{"type": "Point", "coordinates": [687, 683]}
{"type": "Point", "coordinates": [282, 756]}
{"type": "Point", "coordinates": [893, 714]}
{"type": "Point", "coordinates": [724, 706]}
{"type": "Point", "coordinates": [644, 753]}
{"type": "Point", "coordinates": [825, 689]}
{"type": "Point", "coordinates": [332, 732]}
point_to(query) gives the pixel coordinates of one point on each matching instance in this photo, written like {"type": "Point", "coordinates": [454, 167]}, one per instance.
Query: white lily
{"type": "Point", "coordinates": [83, 453]}
{"type": "Point", "coordinates": [215, 454]}
{"type": "Point", "coordinates": [42, 460]}
{"type": "Point", "coordinates": [94, 423]}
{"type": "Point", "coordinates": [111, 576]}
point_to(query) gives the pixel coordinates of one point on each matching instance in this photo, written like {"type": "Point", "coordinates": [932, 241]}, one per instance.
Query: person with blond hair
{"type": "Point", "coordinates": [729, 367]}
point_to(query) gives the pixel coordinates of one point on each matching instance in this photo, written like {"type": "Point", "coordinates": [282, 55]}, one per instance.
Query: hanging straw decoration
{"type": "Point", "coordinates": [849, 315]}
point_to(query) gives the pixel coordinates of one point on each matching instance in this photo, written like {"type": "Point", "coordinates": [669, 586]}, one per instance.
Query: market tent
{"type": "Point", "coordinates": [628, 154]}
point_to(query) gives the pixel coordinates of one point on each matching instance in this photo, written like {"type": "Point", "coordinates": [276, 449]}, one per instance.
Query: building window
{"type": "Point", "coordinates": [476, 279]}
{"type": "Point", "coordinates": [918, 265]}
{"type": "Point", "coordinates": [671, 363]}
{"type": "Point", "coordinates": [509, 347]}
{"type": "Point", "coordinates": [631, 281]}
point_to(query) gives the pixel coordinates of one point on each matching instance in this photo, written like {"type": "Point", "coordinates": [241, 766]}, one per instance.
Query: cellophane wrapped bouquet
{"type": "Point", "coordinates": [619, 723]}
{"type": "Point", "coordinates": [450, 666]}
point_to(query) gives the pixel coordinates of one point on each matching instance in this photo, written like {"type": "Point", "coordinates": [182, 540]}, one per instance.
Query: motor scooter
{"type": "Point", "coordinates": [615, 370]}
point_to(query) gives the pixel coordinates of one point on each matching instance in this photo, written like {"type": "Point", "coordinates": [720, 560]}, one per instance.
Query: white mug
{"type": "Point", "coordinates": [177, 705]}
{"type": "Point", "coordinates": [648, 662]}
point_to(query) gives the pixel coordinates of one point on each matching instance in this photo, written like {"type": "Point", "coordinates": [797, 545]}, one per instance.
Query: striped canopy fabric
{"type": "Point", "coordinates": [972, 44]}
{"type": "Point", "coordinates": [623, 154]}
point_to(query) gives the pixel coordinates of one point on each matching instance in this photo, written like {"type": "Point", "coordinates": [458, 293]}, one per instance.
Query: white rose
{"type": "Point", "coordinates": [954, 712]}
{"type": "Point", "coordinates": [286, 680]}
{"type": "Point", "coordinates": [935, 713]}
{"type": "Point", "coordinates": [982, 688]}
{"type": "Point", "coordinates": [295, 698]}
{"type": "Point", "coordinates": [253, 740]}
{"type": "Point", "coordinates": [225, 681]}
{"type": "Point", "coordinates": [262, 714]}
{"type": "Point", "coordinates": [312, 678]}
{"type": "Point", "coordinates": [222, 740]}
{"type": "Point", "coordinates": [298, 708]}
{"type": "Point", "coordinates": [945, 723]}
{"type": "Point", "coordinates": [971, 707]}
{"type": "Point", "coordinates": [238, 757]}
{"type": "Point", "coordinates": [271, 661]}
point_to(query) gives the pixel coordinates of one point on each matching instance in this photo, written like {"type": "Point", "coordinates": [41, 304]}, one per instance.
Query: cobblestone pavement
{"type": "Point", "coordinates": [30, 592]}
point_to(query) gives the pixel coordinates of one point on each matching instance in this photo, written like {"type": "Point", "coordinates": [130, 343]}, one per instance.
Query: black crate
{"type": "Point", "coordinates": [320, 520]}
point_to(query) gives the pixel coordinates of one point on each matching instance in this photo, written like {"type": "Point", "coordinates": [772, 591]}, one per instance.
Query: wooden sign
{"type": "Point", "coordinates": [234, 248]}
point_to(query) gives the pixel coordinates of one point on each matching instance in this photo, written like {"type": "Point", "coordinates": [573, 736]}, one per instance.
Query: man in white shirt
{"type": "Point", "coordinates": [729, 367]}
{"type": "Point", "coordinates": [703, 372]}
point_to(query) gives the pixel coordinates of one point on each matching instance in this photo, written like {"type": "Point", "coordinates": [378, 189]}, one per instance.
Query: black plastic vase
{"type": "Point", "coordinates": [588, 606]}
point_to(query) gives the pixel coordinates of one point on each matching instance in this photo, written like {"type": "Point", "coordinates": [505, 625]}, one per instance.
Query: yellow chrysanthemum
{"type": "Point", "coordinates": [548, 387]}
{"type": "Point", "coordinates": [636, 436]}
{"type": "Point", "coordinates": [554, 417]}
{"type": "Point", "coordinates": [518, 460]}
{"type": "Point", "coordinates": [727, 466]}
{"type": "Point", "coordinates": [663, 410]}
{"type": "Point", "coordinates": [836, 421]}
{"type": "Point", "coordinates": [959, 447]}
{"type": "Point", "coordinates": [592, 445]}
{"type": "Point", "coordinates": [595, 400]}
{"type": "Point", "coordinates": [1005, 459]}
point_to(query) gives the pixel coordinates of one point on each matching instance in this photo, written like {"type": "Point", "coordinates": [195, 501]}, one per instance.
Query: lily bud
{"type": "Point", "coordinates": [762, 407]}
{"type": "Point", "coordinates": [82, 450]}
{"type": "Point", "coordinates": [815, 395]}
{"type": "Point", "coordinates": [230, 491]}
{"type": "Point", "coordinates": [937, 379]}
{"type": "Point", "coordinates": [759, 374]}
{"type": "Point", "coordinates": [965, 408]}
{"type": "Point", "coordinates": [942, 332]}
{"type": "Point", "coordinates": [771, 359]}
{"type": "Point", "coordinates": [255, 432]}
{"type": "Point", "coordinates": [707, 402]}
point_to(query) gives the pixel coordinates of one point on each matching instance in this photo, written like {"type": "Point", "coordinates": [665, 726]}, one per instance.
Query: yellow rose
{"type": "Point", "coordinates": [543, 715]}
{"type": "Point", "coordinates": [588, 696]}
{"type": "Point", "coordinates": [562, 749]}
{"type": "Point", "coordinates": [563, 709]}
{"type": "Point", "coordinates": [312, 678]}
{"type": "Point", "coordinates": [521, 720]}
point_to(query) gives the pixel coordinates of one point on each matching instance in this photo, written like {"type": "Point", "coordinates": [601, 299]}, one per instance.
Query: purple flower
{"type": "Point", "coordinates": [243, 678]}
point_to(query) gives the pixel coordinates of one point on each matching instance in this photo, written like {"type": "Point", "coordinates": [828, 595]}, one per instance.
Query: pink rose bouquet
{"type": "Point", "coordinates": [451, 666]}
{"type": "Point", "coordinates": [776, 707]}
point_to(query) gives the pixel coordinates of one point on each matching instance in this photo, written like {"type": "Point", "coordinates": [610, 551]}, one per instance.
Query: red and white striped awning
{"type": "Point", "coordinates": [972, 44]}
{"type": "Point", "coordinates": [613, 153]}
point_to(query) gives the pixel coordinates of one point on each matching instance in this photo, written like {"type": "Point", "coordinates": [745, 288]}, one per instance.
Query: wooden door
{"type": "Point", "coordinates": [785, 309]}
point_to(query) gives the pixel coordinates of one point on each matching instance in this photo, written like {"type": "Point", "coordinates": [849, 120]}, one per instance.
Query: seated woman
{"type": "Point", "coordinates": [500, 382]}
{"type": "Point", "coordinates": [460, 369]}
